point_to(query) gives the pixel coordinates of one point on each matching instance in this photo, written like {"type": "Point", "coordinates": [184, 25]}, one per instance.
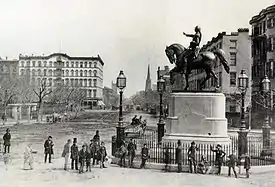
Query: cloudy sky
{"type": "Point", "coordinates": [128, 34]}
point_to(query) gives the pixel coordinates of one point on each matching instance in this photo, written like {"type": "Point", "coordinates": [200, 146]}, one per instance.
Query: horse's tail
{"type": "Point", "coordinates": [220, 54]}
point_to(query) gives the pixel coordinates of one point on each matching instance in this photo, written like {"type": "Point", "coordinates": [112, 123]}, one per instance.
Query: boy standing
{"type": "Point", "coordinates": [144, 155]}
{"type": "Point", "coordinates": [102, 155]}
{"type": "Point", "coordinates": [247, 165]}
{"type": "Point", "coordinates": [231, 164]}
{"type": "Point", "coordinates": [88, 156]}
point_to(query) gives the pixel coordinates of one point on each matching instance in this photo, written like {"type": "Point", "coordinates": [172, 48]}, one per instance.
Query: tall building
{"type": "Point", "coordinates": [237, 48]}
{"type": "Point", "coordinates": [263, 53]}
{"type": "Point", "coordinates": [8, 68]}
{"type": "Point", "coordinates": [148, 84]}
{"type": "Point", "coordinates": [59, 68]}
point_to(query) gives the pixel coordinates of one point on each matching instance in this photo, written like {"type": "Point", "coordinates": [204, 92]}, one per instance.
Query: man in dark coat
{"type": "Point", "coordinates": [231, 163]}
{"type": "Point", "coordinates": [247, 164]}
{"type": "Point", "coordinates": [131, 152]}
{"type": "Point", "coordinates": [95, 152]}
{"type": "Point", "coordinates": [7, 141]}
{"type": "Point", "coordinates": [144, 155]}
{"type": "Point", "coordinates": [219, 157]}
{"type": "Point", "coordinates": [102, 155]}
{"type": "Point", "coordinates": [74, 155]}
{"type": "Point", "coordinates": [82, 158]}
{"type": "Point", "coordinates": [192, 157]}
{"type": "Point", "coordinates": [123, 153]}
{"type": "Point", "coordinates": [48, 149]}
{"type": "Point", "coordinates": [88, 156]}
{"type": "Point", "coordinates": [179, 156]}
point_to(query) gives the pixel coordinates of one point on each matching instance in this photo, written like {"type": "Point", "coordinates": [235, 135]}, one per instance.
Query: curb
{"type": "Point", "coordinates": [185, 168]}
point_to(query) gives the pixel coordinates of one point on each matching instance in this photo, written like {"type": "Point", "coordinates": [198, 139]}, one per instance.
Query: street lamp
{"type": "Point", "coordinates": [121, 84]}
{"type": "Point", "coordinates": [266, 127]}
{"type": "Point", "coordinates": [161, 90]}
{"type": "Point", "coordinates": [242, 138]}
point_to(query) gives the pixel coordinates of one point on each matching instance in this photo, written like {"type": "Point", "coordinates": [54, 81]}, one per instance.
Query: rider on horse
{"type": "Point", "coordinates": [194, 45]}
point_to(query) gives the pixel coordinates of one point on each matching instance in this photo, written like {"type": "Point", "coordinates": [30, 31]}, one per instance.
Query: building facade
{"type": "Point", "coordinates": [8, 68]}
{"type": "Point", "coordinates": [62, 69]}
{"type": "Point", "coordinates": [237, 48]}
{"type": "Point", "coordinates": [263, 54]}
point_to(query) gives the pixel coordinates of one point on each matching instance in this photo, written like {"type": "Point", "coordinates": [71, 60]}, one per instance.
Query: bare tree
{"type": "Point", "coordinates": [41, 89]}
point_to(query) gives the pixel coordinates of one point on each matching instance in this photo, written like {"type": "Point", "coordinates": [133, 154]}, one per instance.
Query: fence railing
{"type": "Point", "coordinates": [157, 151]}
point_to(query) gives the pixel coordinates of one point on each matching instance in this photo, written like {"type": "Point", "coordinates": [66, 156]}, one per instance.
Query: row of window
{"type": "Point", "coordinates": [258, 70]}
{"type": "Point", "coordinates": [64, 64]}
{"type": "Point", "coordinates": [67, 73]}
{"type": "Point", "coordinates": [261, 27]}
{"type": "Point", "coordinates": [70, 82]}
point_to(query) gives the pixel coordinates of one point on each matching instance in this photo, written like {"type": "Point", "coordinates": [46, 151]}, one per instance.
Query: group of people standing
{"type": "Point", "coordinates": [88, 155]}
{"type": "Point", "coordinates": [202, 166]}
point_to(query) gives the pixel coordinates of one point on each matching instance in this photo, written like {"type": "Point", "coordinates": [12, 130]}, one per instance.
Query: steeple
{"type": "Point", "coordinates": [148, 85]}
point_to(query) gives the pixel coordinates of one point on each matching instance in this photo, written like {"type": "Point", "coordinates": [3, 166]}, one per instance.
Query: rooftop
{"type": "Point", "coordinates": [262, 14]}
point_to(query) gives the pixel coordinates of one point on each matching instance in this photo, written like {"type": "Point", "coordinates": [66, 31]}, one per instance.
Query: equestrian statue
{"type": "Point", "coordinates": [188, 59]}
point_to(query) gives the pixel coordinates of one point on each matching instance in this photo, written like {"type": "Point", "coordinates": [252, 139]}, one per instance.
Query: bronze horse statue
{"type": "Point", "coordinates": [176, 54]}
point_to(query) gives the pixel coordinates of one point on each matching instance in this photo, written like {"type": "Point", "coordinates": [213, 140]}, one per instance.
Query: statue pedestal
{"type": "Point", "coordinates": [197, 116]}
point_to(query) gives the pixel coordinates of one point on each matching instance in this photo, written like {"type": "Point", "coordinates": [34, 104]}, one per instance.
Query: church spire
{"type": "Point", "coordinates": [148, 85]}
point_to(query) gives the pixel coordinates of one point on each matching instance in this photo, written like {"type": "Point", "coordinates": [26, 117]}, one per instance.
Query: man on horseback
{"type": "Point", "coordinates": [194, 46]}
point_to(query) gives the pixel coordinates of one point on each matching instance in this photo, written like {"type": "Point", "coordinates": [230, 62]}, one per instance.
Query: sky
{"type": "Point", "coordinates": [127, 34]}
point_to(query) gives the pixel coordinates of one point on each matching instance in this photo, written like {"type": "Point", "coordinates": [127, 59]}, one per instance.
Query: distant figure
{"type": "Point", "coordinates": [232, 162]}
{"type": "Point", "coordinates": [202, 165]}
{"type": "Point", "coordinates": [48, 149]}
{"type": "Point", "coordinates": [140, 120]}
{"type": "Point", "coordinates": [131, 152]}
{"type": "Point", "coordinates": [123, 153]}
{"type": "Point", "coordinates": [144, 156]}
{"type": "Point", "coordinates": [66, 153]}
{"type": "Point", "coordinates": [219, 157]}
{"type": "Point", "coordinates": [179, 156]}
{"type": "Point", "coordinates": [247, 164]}
{"type": "Point", "coordinates": [102, 155]}
{"type": "Point", "coordinates": [95, 152]}
{"type": "Point", "coordinates": [88, 156]}
{"type": "Point", "coordinates": [7, 141]}
{"type": "Point", "coordinates": [167, 158]}
{"type": "Point", "coordinates": [192, 157]}
{"type": "Point", "coordinates": [134, 120]}
{"type": "Point", "coordinates": [82, 158]}
{"type": "Point", "coordinates": [74, 155]}
{"type": "Point", "coordinates": [96, 136]}
{"type": "Point", "coordinates": [7, 160]}
{"type": "Point", "coordinates": [28, 157]}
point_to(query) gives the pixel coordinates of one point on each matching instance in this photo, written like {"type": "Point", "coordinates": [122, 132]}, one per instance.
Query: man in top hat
{"type": "Point", "coordinates": [48, 149]}
{"type": "Point", "coordinates": [219, 157]}
{"type": "Point", "coordinates": [7, 141]}
{"type": "Point", "coordinates": [74, 155]}
{"type": "Point", "coordinates": [131, 152]}
{"type": "Point", "coordinates": [192, 157]}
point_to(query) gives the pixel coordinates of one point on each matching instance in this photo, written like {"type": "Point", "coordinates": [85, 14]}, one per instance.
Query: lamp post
{"type": "Point", "coordinates": [161, 89]}
{"type": "Point", "coordinates": [121, 84]}
{"type": "Point", "coordinates": [242, 133]}
{"type": "Point", "coordinates": [266, 126]}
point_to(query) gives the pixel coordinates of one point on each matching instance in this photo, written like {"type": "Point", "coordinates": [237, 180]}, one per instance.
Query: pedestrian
{"type": "Point", "coordinates": [102, 155]}
{"type": "Point", "coordinates": [219, 157]}
{"type": "Point", "coordinates": [66, 153]}
{"type": "Point", "coordinates": [202, 165]}
{"type": "Point", "coordinates": [74, 155]}
{"type": "Point", "coordinates": [7, 141]}
{"type": "Point", "coordinates": [192, 157]}
{"type": "Point", "coordinates": [123, 153]}
{"type": "Point", "coordinates": [96, 136]}
{"type": "Point", "coordinates": [144, 156]}
{"type": "Point", "coordinates": [232, 162]}
{"type": "Point", "coordinates": [48, 149]}
{"type": "Point", "coordinates": [95, 153]}
{"type": "Point", "coordinates": [88, 156]}
{"type": "Point", "coordinates": [166, 157]}
{"type": "Point", "coordinates": [131, 152]}
{"type": "Point", "coordinates": [82, 158]}
{"type": "Point", "coordinates": [247, 164]}
{"type": "Point", "coordinates": [28, 157]}
{"type": "Point", "coordinates": [7, 160]}
{"type": "Point", "coordinates": [179, 156]}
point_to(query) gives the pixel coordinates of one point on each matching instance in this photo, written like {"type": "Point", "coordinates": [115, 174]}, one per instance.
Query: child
{"type": "Point", "coordinates": [166, 158]}
{"type": "Point", "coordinates": [88, 156]}
{"type": "Point", "coordinates": [6, 158]}
{"type": "Point", "coordinates": [247, 165]}
{"type": "Point", "coordinates": [28, 156]}
{"type": "Point", "coordinates": [202, 165]}
{"type": "Point", "coordinates": [82, 158]}
{"type": "Point", "coordinates": [231, 162]}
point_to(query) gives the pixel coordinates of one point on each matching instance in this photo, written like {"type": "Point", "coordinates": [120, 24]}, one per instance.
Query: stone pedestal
{"type": "Point", "coordinates": [197, 116]}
